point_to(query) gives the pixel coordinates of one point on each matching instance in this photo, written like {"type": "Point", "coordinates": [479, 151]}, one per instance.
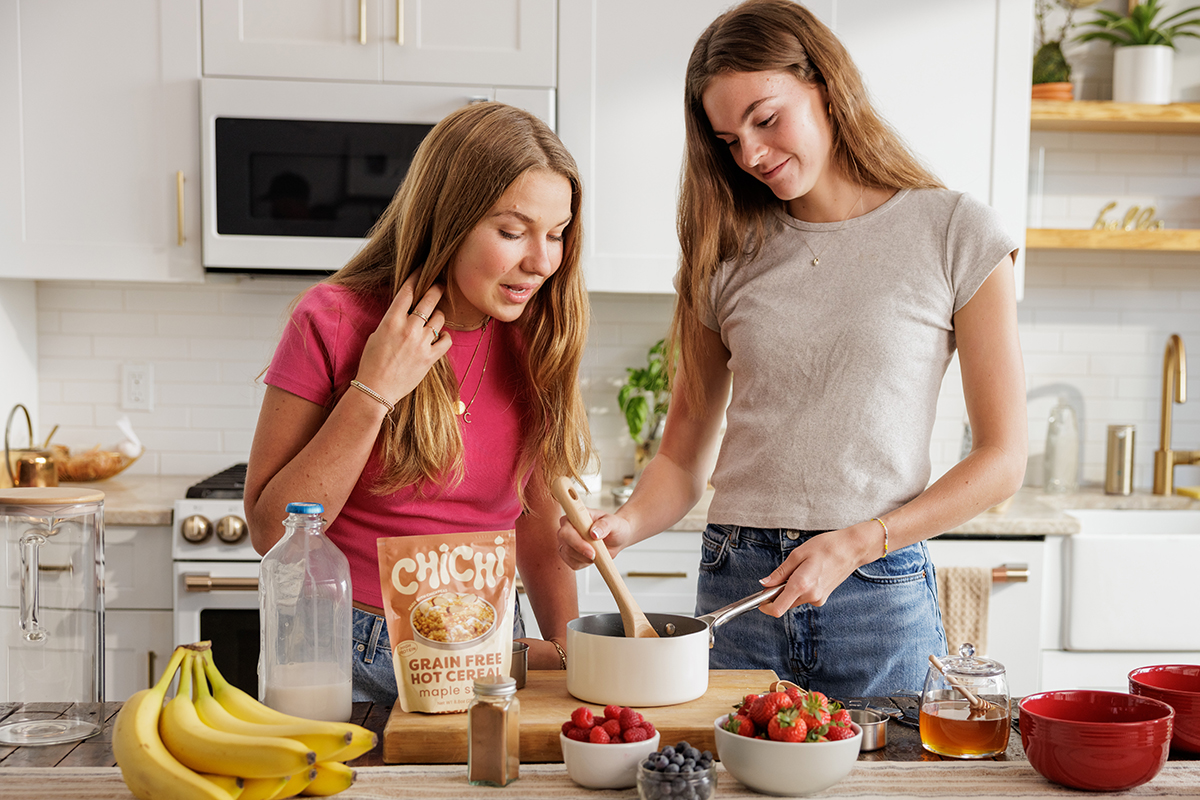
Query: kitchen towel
{"type": "Point", "coordinates": [963, 595]}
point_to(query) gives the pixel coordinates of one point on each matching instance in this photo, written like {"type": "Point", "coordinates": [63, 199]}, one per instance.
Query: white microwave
{"type": "Point", "coordinates": [294, 173]}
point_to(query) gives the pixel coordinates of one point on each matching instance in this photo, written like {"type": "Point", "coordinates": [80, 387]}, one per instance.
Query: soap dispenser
{"type": "Point", "coordinates": [1062, 450]}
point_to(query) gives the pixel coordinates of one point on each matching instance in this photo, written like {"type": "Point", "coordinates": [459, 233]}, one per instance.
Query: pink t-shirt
{"type": "Point", "coordinates": [317, 358]}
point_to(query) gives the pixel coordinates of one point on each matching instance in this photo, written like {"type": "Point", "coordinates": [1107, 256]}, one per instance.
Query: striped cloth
{"type": "Point", "coordinates": [882, 779]}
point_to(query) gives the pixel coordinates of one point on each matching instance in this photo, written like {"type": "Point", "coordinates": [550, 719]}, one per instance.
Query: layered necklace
{"type": "Point", "coordinates": [464, 409]}
{"type": "Point", "coordinates": [816, 257]}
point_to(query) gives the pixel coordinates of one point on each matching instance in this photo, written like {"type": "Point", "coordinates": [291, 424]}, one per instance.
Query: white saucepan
{"type": "Point", "coordinates": [606, 667]}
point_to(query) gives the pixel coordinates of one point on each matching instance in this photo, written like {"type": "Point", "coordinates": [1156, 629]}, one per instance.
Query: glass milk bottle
{"type": "Point", "coordinates": [305, 610]}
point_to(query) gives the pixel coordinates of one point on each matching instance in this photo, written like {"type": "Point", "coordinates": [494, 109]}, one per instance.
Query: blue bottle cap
{"type": "Point", "coordinates": [305, 508]}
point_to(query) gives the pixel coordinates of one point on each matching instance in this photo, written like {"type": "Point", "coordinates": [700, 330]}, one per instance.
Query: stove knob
{"type": "Point", "coordinates": [195, 529]}
{"type": "Point", "coordinates": [231, 529]}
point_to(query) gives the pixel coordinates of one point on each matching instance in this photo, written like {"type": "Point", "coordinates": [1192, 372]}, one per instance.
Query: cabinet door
{"type": "Point", "coordinates": [495, 42]}
{"type": "Point", "coordinates": [1014, 609]}
{"type": "Point", "coordinates": [661, 572]}
{"type": "Point", "coordinates": [137, 567]}
{"type": "Point", "coordinates": [137, 647]}
{"type": "Point", "coordinates": [321, 39]}
{"type": "Point", "coordinates": [954, 84]}
{"type": "Point", "coordinates": [98, 116]}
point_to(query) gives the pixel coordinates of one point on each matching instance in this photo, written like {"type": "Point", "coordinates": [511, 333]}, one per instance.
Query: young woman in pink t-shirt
{"type": "Point", "coordinates": [430, 385]}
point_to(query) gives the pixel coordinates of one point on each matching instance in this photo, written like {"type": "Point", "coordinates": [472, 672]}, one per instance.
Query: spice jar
{"type": "Point", "coordinates": [493, 732]}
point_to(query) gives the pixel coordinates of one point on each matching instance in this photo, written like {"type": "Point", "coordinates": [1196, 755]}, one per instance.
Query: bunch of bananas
{"type": "Point", "coordinates": [212, 741]}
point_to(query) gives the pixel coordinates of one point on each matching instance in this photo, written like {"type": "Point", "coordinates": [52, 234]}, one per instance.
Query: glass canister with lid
{"type": "Point", "coordinates": [965, 706]}
{"type": "Point", "coordinates": [52, 614]}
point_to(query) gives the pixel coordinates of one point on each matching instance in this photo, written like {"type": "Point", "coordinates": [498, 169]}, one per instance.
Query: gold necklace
{"type": "Point", "coordinates": [463, 409]}
{"type": "Point", "coordinates": [816, 257]}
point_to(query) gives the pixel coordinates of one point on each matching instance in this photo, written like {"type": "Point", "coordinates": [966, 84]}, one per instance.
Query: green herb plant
{"type": "Point", "coordinates": [1138, 27]}
{"type": "Point", "coordinates": [645, 396]}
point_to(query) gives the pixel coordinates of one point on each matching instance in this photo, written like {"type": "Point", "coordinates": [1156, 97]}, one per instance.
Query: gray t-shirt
{"type": "Point", "coordinates": [837, 367]}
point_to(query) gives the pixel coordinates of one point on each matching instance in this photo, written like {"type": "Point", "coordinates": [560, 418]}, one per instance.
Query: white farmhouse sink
{"type": "Point", "coordinates": [1131, 581]}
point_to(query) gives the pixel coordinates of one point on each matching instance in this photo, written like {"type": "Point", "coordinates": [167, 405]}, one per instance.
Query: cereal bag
{"type": "Point", "coordinates": [449, 608]}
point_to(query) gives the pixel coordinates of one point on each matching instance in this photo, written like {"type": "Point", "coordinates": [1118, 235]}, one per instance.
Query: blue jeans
{"type": "Point", "coordinates": [373, 673]}
{"type": "Point", "coordinates": [873, 636]}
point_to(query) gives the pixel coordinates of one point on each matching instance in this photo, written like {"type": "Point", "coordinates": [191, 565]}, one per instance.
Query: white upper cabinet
{"type": "Point", "coordinates": [952, 80]}
{"type": "Point", "coordinates": [493, 42]}
{"type": "Point", "coordinates": [99, 121]}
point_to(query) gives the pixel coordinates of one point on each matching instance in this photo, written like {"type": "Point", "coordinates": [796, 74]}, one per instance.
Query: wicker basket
{"type": "Point", "coordinates": [90, 465]}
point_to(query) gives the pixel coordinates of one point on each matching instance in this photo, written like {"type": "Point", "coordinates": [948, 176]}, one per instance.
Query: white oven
{"type": "Point", "coordinates": [216, 576]}
{"type": "Point", "coordinates": [295, 173]}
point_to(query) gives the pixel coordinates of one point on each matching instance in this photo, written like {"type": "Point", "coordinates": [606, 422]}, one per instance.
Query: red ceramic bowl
{"type": "Point", "coordinates": [1099, 741]}
{"type": "Point", "coordinates": [1177, 685]}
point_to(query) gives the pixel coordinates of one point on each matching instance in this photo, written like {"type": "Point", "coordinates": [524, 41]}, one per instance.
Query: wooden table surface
{"type": "Point", "coordinates": [903, 741]}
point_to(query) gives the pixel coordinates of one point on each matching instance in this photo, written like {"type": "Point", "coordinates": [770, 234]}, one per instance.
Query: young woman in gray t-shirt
{"type": "Point", "coordinates": [827, 279]}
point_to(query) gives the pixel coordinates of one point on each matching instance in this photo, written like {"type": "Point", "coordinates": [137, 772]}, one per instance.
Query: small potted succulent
{"type": "Point", "coordinates": [643, 400]}
{"type": "Point", "coordinates": [1051, 70]}
{"type": "Point", "coordinates": [1145, 48]}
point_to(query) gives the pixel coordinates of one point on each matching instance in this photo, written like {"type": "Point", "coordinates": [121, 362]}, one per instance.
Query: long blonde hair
{"type": "Point", "coordinates": [459, 172]}
{"type": "Point", "coordinates": [724, 213]}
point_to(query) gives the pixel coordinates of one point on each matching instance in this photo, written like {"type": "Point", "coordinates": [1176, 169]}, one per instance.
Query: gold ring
{"type": "Point", "coordinates": [419, 314]}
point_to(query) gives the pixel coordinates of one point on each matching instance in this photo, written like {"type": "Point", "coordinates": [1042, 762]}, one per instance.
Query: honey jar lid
{"type": "Point", "coordinates": [50, 496]}
{"type": "Point", "coordinates": [967, 663]}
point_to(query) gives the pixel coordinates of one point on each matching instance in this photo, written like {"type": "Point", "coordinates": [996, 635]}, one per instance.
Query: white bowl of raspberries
{"type": "Point", "coordinates": [602, 749]}
{"type": "Point", "coordinates": [788, 743]}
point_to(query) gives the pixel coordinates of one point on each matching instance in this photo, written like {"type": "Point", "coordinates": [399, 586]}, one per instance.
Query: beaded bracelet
{"type": "Point", "coordinates": [562, 656]}
{"type": "Point", "coordinates": [885, 534]}
{"type": "Point", "coordinates": [369, 392]}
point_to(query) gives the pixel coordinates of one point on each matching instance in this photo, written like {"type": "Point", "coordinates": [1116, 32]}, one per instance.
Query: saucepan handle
{"type": "Point", "coordinates": [723, 615]}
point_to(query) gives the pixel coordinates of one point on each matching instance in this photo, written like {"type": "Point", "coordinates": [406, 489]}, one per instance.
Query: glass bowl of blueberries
{"type": "Point", "coordinates": [679, 772]}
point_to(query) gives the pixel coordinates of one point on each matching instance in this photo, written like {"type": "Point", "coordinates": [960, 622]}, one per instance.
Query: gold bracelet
{"type": "Point", "coordinates": [562, 656]}
{"type": "Point", "coordinates": [885, 535]}
{"type": "Point", "coordinates": [369, 392]}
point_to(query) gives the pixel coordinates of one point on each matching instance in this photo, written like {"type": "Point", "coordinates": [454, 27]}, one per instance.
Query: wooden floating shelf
{"type": "Point", "coordinates": [1075, 239]}
{"type": "Point", "coordinates": [1093, 115]}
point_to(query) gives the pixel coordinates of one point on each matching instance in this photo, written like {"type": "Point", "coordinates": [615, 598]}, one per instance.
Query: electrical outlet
{"type": "Point", "coordinates": [137, 387]}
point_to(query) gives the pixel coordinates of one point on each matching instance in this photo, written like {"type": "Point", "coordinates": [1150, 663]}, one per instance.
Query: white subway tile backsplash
{"type": "Point", "coordinates": [107, 323]}
{"type": "Point", "coordinates": [55, 296]}
{"type": "Point", "coordinates": [138, 348]}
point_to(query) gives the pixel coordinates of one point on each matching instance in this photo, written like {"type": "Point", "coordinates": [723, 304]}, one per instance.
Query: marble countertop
{"type": "Point", "coordinates": [150, 499]}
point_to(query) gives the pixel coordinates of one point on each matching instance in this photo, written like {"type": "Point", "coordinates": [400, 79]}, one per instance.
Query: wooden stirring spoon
{"type": "Point", "coordinates": [635, 622]}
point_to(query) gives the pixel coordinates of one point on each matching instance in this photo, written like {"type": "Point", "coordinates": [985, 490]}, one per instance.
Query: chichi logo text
{"type": "Point", "coordinates": [435, 568]}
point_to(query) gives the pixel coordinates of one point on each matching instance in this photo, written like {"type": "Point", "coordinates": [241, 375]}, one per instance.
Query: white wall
{"type": "Point", "coordinates": [18, 354]}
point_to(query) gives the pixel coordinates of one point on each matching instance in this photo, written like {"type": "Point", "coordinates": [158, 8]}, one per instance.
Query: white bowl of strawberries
{"type": "Point", "coordinates": [602, 749]}
{"type": "Point", "coordinates": [788, 742]}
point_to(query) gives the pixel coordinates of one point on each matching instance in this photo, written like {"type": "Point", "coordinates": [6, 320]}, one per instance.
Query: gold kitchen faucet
{"type": "Point", "coordinates": [1174, 391]}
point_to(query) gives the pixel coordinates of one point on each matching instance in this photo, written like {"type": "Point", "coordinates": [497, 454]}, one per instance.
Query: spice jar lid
{"type": "Point", "coordinates": [495, 685]}
{"type": "Point", "coordinates": [965, 663]}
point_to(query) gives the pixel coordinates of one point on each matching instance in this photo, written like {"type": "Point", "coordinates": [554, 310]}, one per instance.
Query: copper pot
{"type": "Point", "coordinates": [29, 466]}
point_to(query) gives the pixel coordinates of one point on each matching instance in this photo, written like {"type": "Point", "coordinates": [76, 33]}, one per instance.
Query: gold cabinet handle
{"type": "Point", "coordinates": [362, 21]}
{"type": "Point", "coordinates": [1010, 573]}
{"type": "Point", "coordinates": [636, 574]}
{"type": "Point", "coordinates": [180, 238]}
{"type": "Point", "coordinates": [151, 659]}
{"type": "Point", "coordinates": [400, 22]}
{"type": "Point", "coordinates": [203, 582]}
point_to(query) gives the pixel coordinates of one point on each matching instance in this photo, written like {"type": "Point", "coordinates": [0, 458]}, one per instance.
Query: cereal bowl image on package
{"type": "Point", "coordinates": [452, 620]}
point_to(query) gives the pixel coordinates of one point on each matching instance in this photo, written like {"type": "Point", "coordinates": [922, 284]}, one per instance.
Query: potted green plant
{"type": "Point", "coordinates": [1145, 48]}
{"type": "Point", "coordinates": [1051, 70]}
{"type": "Point", "coordinates": [643, 400]}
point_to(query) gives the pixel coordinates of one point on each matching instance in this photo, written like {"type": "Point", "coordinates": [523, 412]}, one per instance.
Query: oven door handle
{"type": "Point", "coordinates": [204, 582]}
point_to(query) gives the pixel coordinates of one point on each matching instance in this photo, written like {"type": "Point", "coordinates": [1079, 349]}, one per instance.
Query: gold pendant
{"type": "Point", "coordinates": [816, 261]}
{"type": "Point", "coordinates": [460, 407]}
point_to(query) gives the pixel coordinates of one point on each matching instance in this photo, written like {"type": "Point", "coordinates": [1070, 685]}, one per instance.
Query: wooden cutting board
{"type": "Point", "coordinates": [412, 738]}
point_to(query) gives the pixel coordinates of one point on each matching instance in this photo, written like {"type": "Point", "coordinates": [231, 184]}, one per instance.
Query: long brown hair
{"type": "Point", "coordinates": [459, 172]}
{"type": "Point", "coordinates": [724, 213]}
